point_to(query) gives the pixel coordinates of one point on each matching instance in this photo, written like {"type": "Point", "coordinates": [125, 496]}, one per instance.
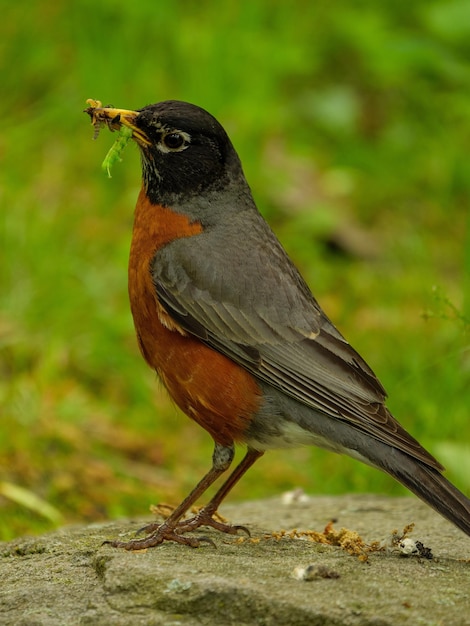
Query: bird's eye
{"type": "Point", "coordinates": [173, 141]}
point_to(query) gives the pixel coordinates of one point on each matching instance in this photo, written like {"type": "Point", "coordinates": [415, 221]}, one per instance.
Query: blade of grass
{"type": "Point", "coordinates": [31, 501]}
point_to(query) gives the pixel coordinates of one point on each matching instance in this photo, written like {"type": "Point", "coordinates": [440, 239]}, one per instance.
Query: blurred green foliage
{"type": "Point", "coordinates": [352, 120]}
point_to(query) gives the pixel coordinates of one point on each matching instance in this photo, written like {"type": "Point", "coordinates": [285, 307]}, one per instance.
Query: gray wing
{"type": "Point", "coordinates": [261, 314]}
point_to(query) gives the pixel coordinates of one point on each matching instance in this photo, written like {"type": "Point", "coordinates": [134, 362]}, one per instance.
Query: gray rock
{"type": "Point", "coordinates": [68, 578]}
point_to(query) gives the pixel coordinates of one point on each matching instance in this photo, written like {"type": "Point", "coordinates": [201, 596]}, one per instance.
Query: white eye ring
{"type": "Point", "coordinates": [174, 141]}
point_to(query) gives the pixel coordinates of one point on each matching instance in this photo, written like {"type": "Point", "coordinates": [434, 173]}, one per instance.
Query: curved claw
{"type": "Point", "coordinates": [243, 529]}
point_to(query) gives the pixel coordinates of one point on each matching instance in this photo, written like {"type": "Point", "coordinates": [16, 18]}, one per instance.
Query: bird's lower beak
{"type": "Point", "coordinates": [114, 119]}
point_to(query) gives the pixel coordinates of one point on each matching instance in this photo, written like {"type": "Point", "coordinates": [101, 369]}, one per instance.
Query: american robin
{"type": "Point", "coordinates": [232, 329]}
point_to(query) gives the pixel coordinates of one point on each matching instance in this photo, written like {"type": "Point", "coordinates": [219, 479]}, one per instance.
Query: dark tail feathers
{"type": "Point", "coordinates": [431, 486]}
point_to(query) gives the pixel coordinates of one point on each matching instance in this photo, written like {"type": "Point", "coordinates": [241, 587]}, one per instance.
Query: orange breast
{"type": "Point", "coordinates": [210, 388]}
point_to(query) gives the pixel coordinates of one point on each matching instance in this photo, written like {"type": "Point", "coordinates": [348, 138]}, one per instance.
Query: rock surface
{"type": "Point", "coordinates": [68, 578]}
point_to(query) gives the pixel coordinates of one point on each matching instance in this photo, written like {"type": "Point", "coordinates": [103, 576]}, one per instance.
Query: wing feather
{"type": "Point", "coordinates": [271, 325]}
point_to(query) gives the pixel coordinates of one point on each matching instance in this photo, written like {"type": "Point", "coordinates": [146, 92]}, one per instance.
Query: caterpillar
{"type": "Point", "coordinates": [114, 153]}
{"type": "Point", "coordinates": [99, 118]}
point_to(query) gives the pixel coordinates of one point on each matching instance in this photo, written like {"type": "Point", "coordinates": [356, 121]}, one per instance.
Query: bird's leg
{"type": "Point", "coordinates": [205, 516]}
{"type": "Point", "coordinates": [169, 530]}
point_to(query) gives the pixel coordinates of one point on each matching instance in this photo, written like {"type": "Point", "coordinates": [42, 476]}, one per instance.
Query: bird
{"type": "Point", "coordinates": [235, 334]}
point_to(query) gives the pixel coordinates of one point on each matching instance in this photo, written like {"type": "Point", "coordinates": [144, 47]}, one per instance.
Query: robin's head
{"type": "Point", "coordinates": [185, 151]}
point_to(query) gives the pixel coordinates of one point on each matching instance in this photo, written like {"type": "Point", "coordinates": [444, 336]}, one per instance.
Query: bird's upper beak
{"type": "Point", "coordinates": [115, 118]}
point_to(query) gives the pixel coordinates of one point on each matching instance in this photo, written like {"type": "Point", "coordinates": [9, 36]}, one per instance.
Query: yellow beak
{"type": "Point", "coordinates": [114, 118]}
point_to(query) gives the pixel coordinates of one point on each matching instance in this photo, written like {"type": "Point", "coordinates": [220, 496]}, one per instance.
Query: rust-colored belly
{"type": "Point", "coordinates": [210, 388]}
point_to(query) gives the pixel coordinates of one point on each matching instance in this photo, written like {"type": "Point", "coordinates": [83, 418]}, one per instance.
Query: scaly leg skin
{"type": "Point", "coordinates": [172, 528]}
{"type": "Point", "coordinates": [205, 516]}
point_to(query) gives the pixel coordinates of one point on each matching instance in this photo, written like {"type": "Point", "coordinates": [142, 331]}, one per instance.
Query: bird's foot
{"type": "Point", "coordinates": [156, 535]}
{"type": "Point", "coordinates": [206, 516]}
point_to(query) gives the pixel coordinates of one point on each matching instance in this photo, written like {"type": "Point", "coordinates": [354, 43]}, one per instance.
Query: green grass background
{"type": "Point", "coordinates": [353, 123]}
